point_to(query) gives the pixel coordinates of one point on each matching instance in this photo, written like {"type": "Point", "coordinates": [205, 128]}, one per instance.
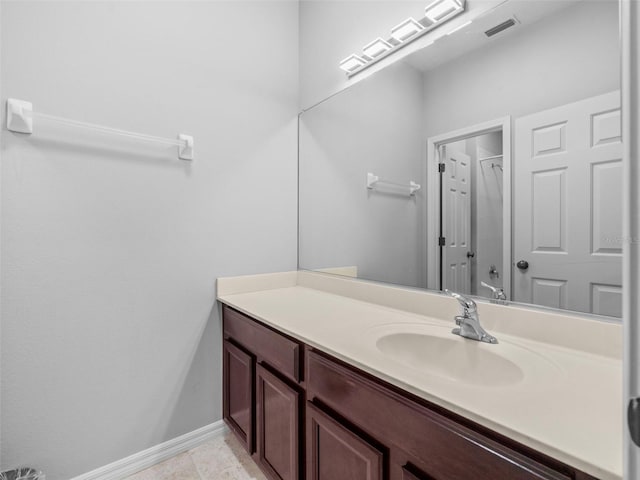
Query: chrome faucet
{"type": "Point", "coordinates": [497, 292]}
{"type": "Point", "coordinates": [469, 321]}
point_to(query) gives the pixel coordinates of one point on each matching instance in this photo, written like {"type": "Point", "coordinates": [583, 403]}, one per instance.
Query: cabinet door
{"type": "Point", "coordinates": [277, 415]}
{"type": "Point", "coordinates": [238, 368]}
{"type": "Point", "coordinates": [335, 453]}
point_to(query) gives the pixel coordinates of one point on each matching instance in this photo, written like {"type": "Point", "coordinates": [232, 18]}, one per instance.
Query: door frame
{"type": "Point", "coordinates": [630, 103]}
{"type": "Point", "coordinates": [433, 196]}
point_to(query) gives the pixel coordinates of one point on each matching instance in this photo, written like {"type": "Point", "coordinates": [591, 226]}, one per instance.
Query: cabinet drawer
{"type": "Point", "coordinates": [275, 349]}
{"type": "Point", "coordinates": [435, 444]}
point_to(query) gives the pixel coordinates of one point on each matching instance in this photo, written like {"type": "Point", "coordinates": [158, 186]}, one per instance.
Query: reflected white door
{"type": "Point", "coordinates": [456, 222]}
{"type": "Point", "coordinates": [568, 207]}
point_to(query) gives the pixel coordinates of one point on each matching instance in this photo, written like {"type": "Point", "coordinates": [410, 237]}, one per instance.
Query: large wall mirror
{"type": "Point", "coordinates": [486, 164]}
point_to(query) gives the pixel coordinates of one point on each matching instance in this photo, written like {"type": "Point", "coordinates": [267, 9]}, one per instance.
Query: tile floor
{"type": "Point", "coordinates": [222, 458]}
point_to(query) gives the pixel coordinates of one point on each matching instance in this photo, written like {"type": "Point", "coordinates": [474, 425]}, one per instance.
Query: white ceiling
{"type": "Point", "coordinates": [472, 37]}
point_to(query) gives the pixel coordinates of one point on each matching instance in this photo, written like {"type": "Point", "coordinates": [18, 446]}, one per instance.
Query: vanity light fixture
{"type": "Point", "coordinates": [436, 13]}
{"type": "Point", "coordinates": [377, 47]}
{"type": "Point", "coordinates": [352, 63]}
{"type": "Point", "coordinates": [440, 9]}
{"type": "Point", "coordinates": [406, 29]}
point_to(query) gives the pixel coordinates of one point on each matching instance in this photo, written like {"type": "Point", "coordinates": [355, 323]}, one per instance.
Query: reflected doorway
{"type": "Point", "coordinates": [471, 227]}
{"type": "Point", "coordinates": [469, 236]}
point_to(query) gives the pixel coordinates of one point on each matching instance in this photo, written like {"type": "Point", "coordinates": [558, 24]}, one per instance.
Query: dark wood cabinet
{"type": "Point", "coordinates": [262, 400]}
{"type": "Point", "coordinates": [411, 473]}
{"type": "Point", "coordinates": [238, 398]}
{"type": "Point", "coordinates": [270, 347]}
{"type": "Point", "coordinates": [277, 431]}
{"type": "Point", "coordinates": [407, 475]}
{"type": "Point", "coordinates": [304, 414]}
{"type": "Point", "coordinates": [336, 453]}
{"type": "Point", "coordinates": [439, 446]}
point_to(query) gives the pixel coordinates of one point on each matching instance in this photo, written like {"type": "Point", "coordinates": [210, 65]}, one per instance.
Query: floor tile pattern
{"type": "Point", "coordinates": [222, 458]}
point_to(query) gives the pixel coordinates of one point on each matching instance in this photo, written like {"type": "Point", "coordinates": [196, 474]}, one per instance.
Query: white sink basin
{"type": "Point", "coordinates": [434, 350]}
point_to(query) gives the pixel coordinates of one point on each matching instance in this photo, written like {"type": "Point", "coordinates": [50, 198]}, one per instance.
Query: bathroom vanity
{"type": "Point", "coordinates": [335, 378]}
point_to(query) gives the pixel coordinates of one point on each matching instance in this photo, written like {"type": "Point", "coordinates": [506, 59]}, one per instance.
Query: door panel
{"type": "Point", "coordinates": [549, 139]}
{"type": "Point", "coordinates": [336, 453]}
{"type": "Point", "coordinates": [568, 206]}
{"type": "Point", "coordinates": [277, 420]}
{"type": "Point", "coordinates": [606, 300]}
{"type": "Point", "coordinates": [605, 127]}
{"type": "Point", "coordinates": [549, 293]}
{"type": "Point", "coordinates": [549, 201]}
{"type": "Point", "coordinates": [607, 216]}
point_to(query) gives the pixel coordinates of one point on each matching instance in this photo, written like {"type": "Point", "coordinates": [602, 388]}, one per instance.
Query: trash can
{"type": "Point", "coordinates": [24, 473]}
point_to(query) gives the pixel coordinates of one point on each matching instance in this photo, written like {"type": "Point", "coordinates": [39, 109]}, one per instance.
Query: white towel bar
{"type": "Point", "coordinates": [373, 180]}
{"type": "Point", "coordinates": [20, 117]}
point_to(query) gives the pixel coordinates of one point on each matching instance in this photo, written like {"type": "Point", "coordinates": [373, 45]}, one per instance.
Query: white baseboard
{"type": "Point", "coordinates": [156, 454]}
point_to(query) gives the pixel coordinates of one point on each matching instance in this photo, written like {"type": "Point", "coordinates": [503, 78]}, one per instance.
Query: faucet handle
{"type": "Point", "coordinates": [498, 292]}
{"type": "Point", "coordinates": [490, 287]}
{"type": "Point", "coordinates": [468, 304]}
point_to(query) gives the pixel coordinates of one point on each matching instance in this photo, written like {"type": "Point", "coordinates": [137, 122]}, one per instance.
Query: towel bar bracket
{"type": "Point", "coordinates": [185, 151]}
{"type": "Point", "coordinates": [18, 119]}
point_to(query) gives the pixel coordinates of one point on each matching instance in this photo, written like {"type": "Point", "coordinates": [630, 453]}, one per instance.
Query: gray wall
{"type": "Point", "coordinates": [569, 56]}
{"type": "Point", "coordinates": [375, 126]}
{"type": "Point", "coordinates": [486, 219]}
{"type": "Point", "coordinates": [110, 248]}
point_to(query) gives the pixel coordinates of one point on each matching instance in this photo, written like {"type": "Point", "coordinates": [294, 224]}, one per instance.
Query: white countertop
{"type": "Point", "coordinates": [573, 414]}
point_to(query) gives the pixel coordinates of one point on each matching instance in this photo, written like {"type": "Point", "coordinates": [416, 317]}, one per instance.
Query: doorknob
{"type": "Point", "coordinates": [522, 264]}
{"type": "Point", "coordinates": [471, 254]}
{"type": "Point", "coordinates": [633, 420]}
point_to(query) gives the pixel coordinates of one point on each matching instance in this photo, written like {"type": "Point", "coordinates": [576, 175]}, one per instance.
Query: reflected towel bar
{"type": "Point", "coordinates": [373, 180]}
{"type": "Point", "coordinates": [20, 117]}
{"type": "Point", "coordinates": [492, 157]}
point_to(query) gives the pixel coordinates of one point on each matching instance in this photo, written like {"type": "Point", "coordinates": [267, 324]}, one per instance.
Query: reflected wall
{"type": "Point", "coordinates": [381, 125]}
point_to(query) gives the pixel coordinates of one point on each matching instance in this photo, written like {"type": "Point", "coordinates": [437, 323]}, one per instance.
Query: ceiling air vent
{"type": "Point", "coordinates": [499, 28]}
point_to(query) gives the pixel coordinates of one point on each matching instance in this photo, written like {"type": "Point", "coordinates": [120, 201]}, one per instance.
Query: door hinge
{"type": "Point", "coordinates": [441, 168]}
{"type": "Point", "coordinates": [441, 242]}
